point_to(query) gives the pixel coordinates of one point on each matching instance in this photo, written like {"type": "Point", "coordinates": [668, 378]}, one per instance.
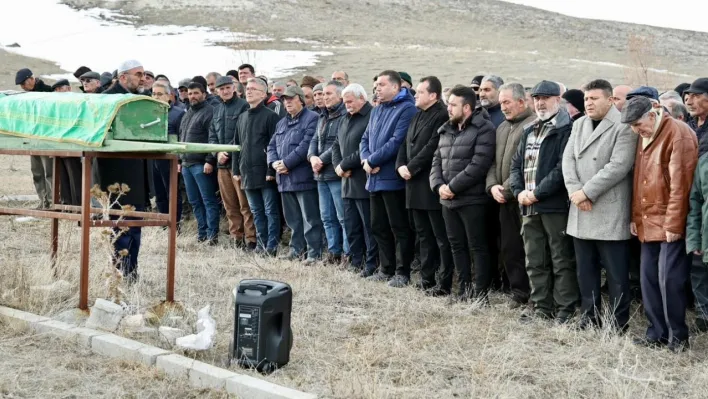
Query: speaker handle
{"type": "Point", "coordinates": [253, 287]}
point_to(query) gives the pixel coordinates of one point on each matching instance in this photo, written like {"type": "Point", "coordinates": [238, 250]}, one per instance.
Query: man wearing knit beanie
{"type": "Point", "coordinates": [318, 96]}
{"type": "Point", "coordinates": [574, 103]}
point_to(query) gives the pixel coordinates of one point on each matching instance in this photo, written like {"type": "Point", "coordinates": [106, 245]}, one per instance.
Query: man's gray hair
{"type": "Point", "coordinates": [517, 90]}
{"type": "Point", "coordinates": [678, 110]}
{"type": "Point", "coordinates": [164, 85]}
{"type": "Point", "coordinates": [215, 75]}
{"type": "Point", "coordinates": [671, 95]}
{"type": "Point", "coordinates": [278, 84]}
{"type": "Point", "coordinates": [259, 82]}
{"type": "Point", "coordinates": [337, 86]}
{"type": "Point", "coordinates": [356, 90]}
{"type": "Point", "coordinates": [496, 80]}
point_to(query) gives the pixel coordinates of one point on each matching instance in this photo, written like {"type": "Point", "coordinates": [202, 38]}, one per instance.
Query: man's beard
{"type": "Point", "coordinates": [547, 113]}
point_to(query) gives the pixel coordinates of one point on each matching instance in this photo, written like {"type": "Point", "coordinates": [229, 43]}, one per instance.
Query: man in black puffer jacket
{"type": "Point", "coordinates": [329, 184]}
{"type": "Point", "coordinates": [460, 165]}
{"type": "Point", "coordinates": [537, 182]}
{"type": "Point", "coordinates": [223, 131]}
{"type": "Point", "coordinates": [198, 168]}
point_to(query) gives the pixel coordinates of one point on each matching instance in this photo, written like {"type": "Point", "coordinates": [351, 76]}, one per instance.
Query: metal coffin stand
{"type": "Point", "coordinates": [82, 214]}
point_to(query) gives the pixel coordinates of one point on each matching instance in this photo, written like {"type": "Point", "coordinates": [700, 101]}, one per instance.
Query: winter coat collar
{"type": "Point", "coordinates": [403, 96]}
{"type": "Point", "coordinates": [522, 116]}
{"type": "Point", "coordinates": [336, 111]}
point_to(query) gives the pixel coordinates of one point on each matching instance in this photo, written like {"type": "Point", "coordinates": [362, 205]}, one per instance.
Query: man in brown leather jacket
{"type": "Point", "coordinates": [666, 157]}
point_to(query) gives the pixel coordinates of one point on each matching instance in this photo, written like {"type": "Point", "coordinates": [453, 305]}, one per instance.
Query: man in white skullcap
{"type": "Point", "coordinates": [132, 172]}
{"type": "Point", "coordinates": [131, 76]}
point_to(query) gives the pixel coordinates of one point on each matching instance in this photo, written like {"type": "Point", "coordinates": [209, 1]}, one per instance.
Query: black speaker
{"type": "Point", "coordinates": [262, 334]}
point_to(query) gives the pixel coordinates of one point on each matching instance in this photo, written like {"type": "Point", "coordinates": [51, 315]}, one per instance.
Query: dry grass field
{"type": "Point", "coordinates": [352, 338]}
{"type": "Point", "coordinates": [36, 366]}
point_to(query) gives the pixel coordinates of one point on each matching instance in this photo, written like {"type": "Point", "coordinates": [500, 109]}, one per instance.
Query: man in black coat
{"type": "Point", "coordinates": [223, 131]}
{"type": "Point", "coordinates": [254, 129]}
{"type": "Point", "coordinates": [347, 165]}
{"type": "Point", "coordinates": [460, 165]}
{"type": "Point", "coordinates": [132, 172]}
{"type": "Point", "coordinates": [414, 163]}
{"type": "Point", "coordinates": [537, 183]}
{"type": "Point", "coordinates": [198, 168]}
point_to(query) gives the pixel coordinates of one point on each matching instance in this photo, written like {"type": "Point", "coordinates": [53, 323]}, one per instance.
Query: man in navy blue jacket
{"type": "Point", "coordinates": [379, 148]}
{"type": "Point", "coordinates": [287, 154]}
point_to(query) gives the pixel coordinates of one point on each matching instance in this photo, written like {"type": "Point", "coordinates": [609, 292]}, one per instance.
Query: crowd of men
{"type": "Point", "coordinates": [529, 190]}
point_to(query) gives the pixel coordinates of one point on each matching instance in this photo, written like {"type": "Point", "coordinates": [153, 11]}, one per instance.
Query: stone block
{"type": "Point", "coordinates": [170, 334]}
{"type": "Point", "coordinates": [244, 386]}
{"type": "Point", "coordinates": [203, 375]}
{"type": "Point", "coordinates": [117, 347]}
{"type": "Point", "coordinates": [56, 328]}
{"type": "Point", "coordinates": [105, 315]}
{"type": "Point", "coordinates": [22, 316]}
{"type": "Point", "coordinates": [174, 365]}
{"type": "Point", "coordinates": [149, 354]}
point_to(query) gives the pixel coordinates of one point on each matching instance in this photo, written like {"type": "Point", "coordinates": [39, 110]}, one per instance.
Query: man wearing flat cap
{"type": "Point", "coordinates": [132, 172]}
{"type": "Point", "coordinates": [26, 80]}
{"type": "Point", "coordinates": [61, 86]}
{"type": "Point", "coordinates": [537, 183]}
{"type": "Point", "coordinates": [597, 165]}
{"type": "Point", "coordinates": [223, 131]}
{"type": "Point", "coordinates": [41, 167]}
{"type": "Point", "coordinates": [663, 174]}
{"type": "Point", "coordinates": [696, 96]}
{"type": "Point", "coordinates": [90, 82]}
{"type": "Point", "coordinates": [697, 103]}
{"type": "Point", "coordinates": [287, 154]}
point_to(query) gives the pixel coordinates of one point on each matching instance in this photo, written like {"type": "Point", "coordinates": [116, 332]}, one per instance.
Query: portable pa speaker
{"type": "Point", "coordinates": [262, 334]}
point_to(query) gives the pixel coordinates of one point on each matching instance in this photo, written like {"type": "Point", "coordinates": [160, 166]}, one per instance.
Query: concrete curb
{"type": "Point", "coordinates": [199, 374]}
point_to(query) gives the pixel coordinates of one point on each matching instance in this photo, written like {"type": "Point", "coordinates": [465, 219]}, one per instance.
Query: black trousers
{"type": "Point", "coordinates": [434, 249]}
{"type": "Point", "coordinates": [664, 272]}
{"type": "Point", "coordinates": [70, 180]}
{"type": "Point", "coordinates": [512, 251]}
{"type": "Point", "coordinates": [466, 230]}
{"type": "Point", "coordinates": [614, 257]}
{"type": "Point", "coordinates": [357, 226]}
{"type": "Point", "coordinates": [393, 234]}
{"type": "Point", "coordinates": [493, 229]}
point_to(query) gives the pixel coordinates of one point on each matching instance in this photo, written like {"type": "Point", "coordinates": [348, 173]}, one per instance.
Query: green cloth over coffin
{"type": "Point", "coordinates": [84, 119]}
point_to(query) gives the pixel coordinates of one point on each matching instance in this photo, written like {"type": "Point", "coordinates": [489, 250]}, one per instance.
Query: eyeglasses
{"type": "Point", "coordinates": [158, 94]}
{"type": "Point", "coordinates": [253, 89]}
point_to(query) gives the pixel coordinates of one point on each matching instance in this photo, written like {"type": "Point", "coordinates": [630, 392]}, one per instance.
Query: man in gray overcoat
{"type": "Point", "coordinates": [597, 165]}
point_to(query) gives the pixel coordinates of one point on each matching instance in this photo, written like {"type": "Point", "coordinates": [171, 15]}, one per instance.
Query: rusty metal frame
{"type": "Point", "coordinates": [82, 214]}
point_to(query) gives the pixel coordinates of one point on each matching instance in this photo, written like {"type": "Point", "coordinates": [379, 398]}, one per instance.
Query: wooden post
{"type": "Point", "coordinates": [85, 230]}
{"type": "Point", "coordinates": [171, 245]}
{"type": "Point", "coordinates": [56, 182]}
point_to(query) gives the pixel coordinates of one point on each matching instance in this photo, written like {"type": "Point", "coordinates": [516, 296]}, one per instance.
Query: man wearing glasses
{"type": "Point", "coordinates": [161, 167]}
{"type": "Point", "coordinates": [132, 172]}
{"type": "Point", "coordinates": [341, 77]}
{"type": "Point", "coordinates": [91, 82]}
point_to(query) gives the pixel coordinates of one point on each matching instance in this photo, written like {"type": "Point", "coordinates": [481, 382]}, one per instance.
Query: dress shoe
{"type": "Point", "coordinates": [647, 343]}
